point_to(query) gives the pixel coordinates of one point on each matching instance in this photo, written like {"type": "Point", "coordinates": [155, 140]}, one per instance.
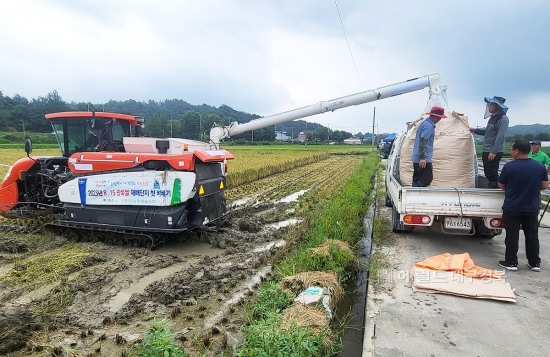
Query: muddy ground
{"type": "Point", "coordinates": [199, 282]}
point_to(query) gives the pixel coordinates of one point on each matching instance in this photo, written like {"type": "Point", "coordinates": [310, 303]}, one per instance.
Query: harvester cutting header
{"type": "Point", "coordinates": [111, 179]}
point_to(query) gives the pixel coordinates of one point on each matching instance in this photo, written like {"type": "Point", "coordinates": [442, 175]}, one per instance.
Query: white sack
{"type": "Point", "coordinates": [453, 157]}
{"type": "Point", "coordinates": [316, 295]}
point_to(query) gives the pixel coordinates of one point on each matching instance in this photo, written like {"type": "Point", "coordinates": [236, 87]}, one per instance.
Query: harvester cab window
{"type": "Point", "coordinates": [76, 135]}
{"type": "Point", "coordinates": [96, 134]}
{"type": "Point", "coordinates": [58, 132]}
{"type": "Point", "coordinates": [119, 131]}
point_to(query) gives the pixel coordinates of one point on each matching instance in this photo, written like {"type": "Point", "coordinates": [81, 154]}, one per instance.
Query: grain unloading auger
{"type": "Point", "coordinates": [139, 190]}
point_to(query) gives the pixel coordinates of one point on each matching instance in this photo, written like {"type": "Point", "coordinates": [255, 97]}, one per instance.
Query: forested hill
{"type": "Point", "coordinates": [170, 117]}
{"type": "Point", "coordinates": [533, 131]}
{"type": "Point", "coordinates": [177, 118]}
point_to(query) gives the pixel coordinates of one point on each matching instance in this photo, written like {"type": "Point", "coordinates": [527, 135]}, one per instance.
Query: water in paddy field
{"type": "Point", "coordinates": [124, 295]}
{"type": "Point", "coordinates": [285, 223]}
{"type": "Point", "coordinates": [292, 198]}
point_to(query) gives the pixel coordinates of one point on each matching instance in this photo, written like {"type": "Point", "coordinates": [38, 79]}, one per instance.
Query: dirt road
{"type": "Point", "coordinates": [403, 323]}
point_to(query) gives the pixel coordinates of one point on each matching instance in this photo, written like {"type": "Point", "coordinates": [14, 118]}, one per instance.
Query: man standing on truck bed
{"type": "Point", "coordinates": [493, 141]}
{"type": "Point", "coordinates": [424, 147]}
{"type": "Point", "coordinates": [522, 179]}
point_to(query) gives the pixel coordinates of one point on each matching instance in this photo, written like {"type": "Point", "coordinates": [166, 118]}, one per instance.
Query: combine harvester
{"type": "Point", "coordinates": [129, 189]}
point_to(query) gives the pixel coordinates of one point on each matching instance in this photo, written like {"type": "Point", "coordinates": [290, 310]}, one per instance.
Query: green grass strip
{"type": "Point", "coordinates": [262, 339]}
{"type": "Point", "coordinates": [340, 217]}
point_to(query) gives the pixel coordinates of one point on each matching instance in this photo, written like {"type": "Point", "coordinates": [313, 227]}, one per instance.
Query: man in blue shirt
{"type": "Point", "coordinates": [424, 147]}
{"type": "Point", "coordinates": [522, 179]}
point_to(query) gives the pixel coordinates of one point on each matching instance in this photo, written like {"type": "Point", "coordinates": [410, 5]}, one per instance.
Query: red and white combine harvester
{"type": "Point", "coordinates": [141, 190]}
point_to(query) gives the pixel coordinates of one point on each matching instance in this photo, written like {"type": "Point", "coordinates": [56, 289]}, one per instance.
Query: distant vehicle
{"type": "Point", "coordinates": [386, 145]}
{"type": "Point", "coordinates": [385, 150]}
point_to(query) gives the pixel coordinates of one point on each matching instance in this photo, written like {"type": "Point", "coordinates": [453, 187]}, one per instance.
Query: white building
{"type": "Point", "coordinates": [281, 135]}
{"type": "Point", "coordinates": [352, 141]}
{"type": "Point", "coordinates": [302, 137]}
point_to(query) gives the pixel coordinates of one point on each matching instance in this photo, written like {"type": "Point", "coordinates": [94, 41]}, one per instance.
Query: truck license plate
{"type": "Point", "coordinates": [458, 223]}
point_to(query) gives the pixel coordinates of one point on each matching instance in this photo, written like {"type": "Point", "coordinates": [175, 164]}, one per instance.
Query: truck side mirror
{"type": "Point", "coordinates": [28, 146]}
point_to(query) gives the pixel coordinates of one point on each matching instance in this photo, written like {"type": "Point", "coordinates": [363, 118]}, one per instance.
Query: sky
{"type": "Point", "coordinates": [266, 57]}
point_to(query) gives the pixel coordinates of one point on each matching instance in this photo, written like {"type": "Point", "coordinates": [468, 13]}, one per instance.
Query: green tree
{"type": "Point", "coordinates": [191, 125]}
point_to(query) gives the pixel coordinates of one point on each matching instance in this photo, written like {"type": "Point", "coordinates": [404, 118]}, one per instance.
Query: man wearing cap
{"type": "Point", "coordinates": [522, 179]}
{"type": "Point", "coordinates": [494, 134]}
{"type": "Point", "coordinates": [538, 155]}
{"type": "Point", "coordinates": [424, 147]}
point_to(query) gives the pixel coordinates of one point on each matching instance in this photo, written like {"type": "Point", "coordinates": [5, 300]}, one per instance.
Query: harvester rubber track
{"type": "Point", "coordinates": [111, 236]}
{"type": "Point", "coordinates": [50, 222]}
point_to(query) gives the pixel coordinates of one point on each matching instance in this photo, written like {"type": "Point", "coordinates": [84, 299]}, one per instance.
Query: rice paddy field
{"type": "Point", "coordinates": [251, 162]}
{"type": "Point", "coordinates": [73, 295]}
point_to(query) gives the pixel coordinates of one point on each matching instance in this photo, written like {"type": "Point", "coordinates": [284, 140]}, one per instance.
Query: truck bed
{"type": "Point", "coordinates": [465, 202]}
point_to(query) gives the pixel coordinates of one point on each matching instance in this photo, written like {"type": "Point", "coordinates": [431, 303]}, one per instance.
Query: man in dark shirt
{"type": "Point", "coordinates": [522, 179]}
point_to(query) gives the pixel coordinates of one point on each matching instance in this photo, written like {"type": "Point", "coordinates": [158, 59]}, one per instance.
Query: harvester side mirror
{"type": "Point", "coordinates": [28, 146]}
{"type": "Point", "coordinates": [139, 131]}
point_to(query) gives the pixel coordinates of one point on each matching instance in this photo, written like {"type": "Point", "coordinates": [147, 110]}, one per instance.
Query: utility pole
{"type": "Point", "coordinates": [200, 124]}
{"type": "Point", "coordinates": [24, 133]}
{"type": "Point", "coordinates": [373, 118]}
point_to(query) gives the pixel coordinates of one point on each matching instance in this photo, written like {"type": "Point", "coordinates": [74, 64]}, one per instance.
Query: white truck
{"type": "Point", "coordinates": [463, 211]}
{"type": "Point", "coordinates": [460, 211]}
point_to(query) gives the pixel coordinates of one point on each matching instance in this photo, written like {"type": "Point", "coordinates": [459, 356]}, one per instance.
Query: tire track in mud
{"type": "Point", "coordinates": [197, 282]}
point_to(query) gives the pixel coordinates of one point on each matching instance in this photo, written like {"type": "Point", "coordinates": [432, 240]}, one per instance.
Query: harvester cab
{"type": "Point", "coordinates": [92, 131]}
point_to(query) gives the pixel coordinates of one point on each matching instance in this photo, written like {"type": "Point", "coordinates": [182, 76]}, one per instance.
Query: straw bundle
{"type": "Point", "coordinates": [324, 249]}
{"type": "Point", "coordinates": [310, 318]}
{"type": "Point", "coordinates": [299, 282]}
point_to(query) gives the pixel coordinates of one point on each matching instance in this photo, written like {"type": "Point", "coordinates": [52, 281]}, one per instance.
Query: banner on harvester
{"type": "Point", "coordinates": [130, 189]}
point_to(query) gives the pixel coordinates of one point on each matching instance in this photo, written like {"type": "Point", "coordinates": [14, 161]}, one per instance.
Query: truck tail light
{"type": "Point", "coordinates": [497, 223]}
{"type": "Point", "coordinates": [416, 219]}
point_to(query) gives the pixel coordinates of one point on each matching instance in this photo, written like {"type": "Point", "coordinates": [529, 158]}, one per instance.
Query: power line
{"type": "Point", "coordinates": [349, 47]}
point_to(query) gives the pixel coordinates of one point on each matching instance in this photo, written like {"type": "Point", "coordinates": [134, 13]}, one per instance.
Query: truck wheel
{"type": "Point", "coordinates": [388, 201]}
{"type": "Point", "coordinates": [483, 232]}
{"type": "Point", "coordinates": [396, 225]}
